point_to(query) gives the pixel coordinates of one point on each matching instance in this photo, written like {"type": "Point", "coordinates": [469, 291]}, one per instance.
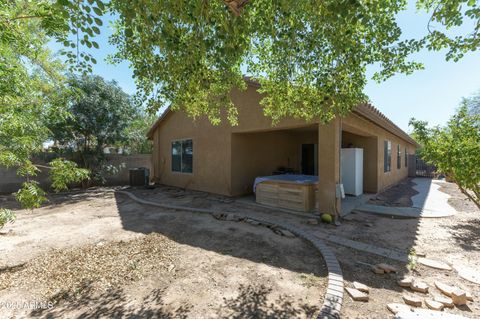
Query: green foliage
{"type": "Point", "coordinates": [99, 114]}
{"type": "Point", "coordinates": [6, 216]}
{"type": "Point", "coordinates": [135, 134]}
{"type": "Point", "coordinates": [454, 149]}
{"type": "Point", "coordinates": [30, 195]}
{"type": "Point", "coordinates": [32, 88]}
{"type": "Point", "coordinates": [64, 172]}
{"type": "Point", "coordinates": [72, 23]}
{"type": "Point", "coordinates": [447, 17]}
{"type": "Point", "coordinates": [309, 56]}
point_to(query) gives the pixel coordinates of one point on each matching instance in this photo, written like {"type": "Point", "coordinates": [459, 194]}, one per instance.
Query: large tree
{"type": "Point", "coordinates": [98, 115]}
{"type": "Point", "coordinates": [33, 89]}
{"type": "Point", "coordinates": [310, 56]}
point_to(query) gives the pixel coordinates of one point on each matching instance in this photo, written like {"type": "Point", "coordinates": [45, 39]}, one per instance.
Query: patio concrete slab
{"type": "Point", "coordinates": [430, 202]}
{"type": "Point", "coordinates": [430, 198]}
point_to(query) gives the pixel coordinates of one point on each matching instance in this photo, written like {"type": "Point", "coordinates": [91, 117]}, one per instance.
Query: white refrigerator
{"type": "Point", "coordinates": [352, 170]}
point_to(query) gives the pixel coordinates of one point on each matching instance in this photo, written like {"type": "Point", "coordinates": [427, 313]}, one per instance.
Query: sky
{"type": "Point", "coordinates": [431, 94]}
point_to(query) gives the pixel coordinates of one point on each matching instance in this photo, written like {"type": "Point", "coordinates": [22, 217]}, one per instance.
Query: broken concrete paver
{"type": "Point", "coordinates": [434, 263]}
{"type": "Point", "coordinates": [468, 273]}
{"type": "Point", "coordinates": [377, 270]}
{"type": "Point", "coordinates": [359, 286]}
{"type": "Point", "coordinates": [446, 301]}
{"type": "Point", "coordinates": [419, 286]}
{"type": "Point", "coordinates": [397, 307]}
{"type": "Point", "coordinates": [387, 268]}
{"type": "Point", "coordinates": [434, 305]}
{"type": "Point", "coordinates": [405, 281]}
{"type": "Point", "coordinates": [412, 300]}
{"type": "Point", "coordinates": [444, 288]}
{"type": "Point", "coordinates": [459, 297]}
{"type": "Point", "coordinates": [357, 295]}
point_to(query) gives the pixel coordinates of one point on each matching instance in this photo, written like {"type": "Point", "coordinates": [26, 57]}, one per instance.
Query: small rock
{"type": "Point", "coordinates": [434, 305]}
{"type": "Point", "coordinates": [405, 282]}
{"type": "Point", "coordinates": [459, 297]}
{"type": "Point", "coordinates": [312, 221]}
{"type": "Point", "coordinates": [359, 286]}
{"type": "Point", "coordinates": [387, 268]}
{"type": "Point", "coordinates": [445, 301]}
{"type": "Point", "coordinates": [397, 307]}
{"type": "Point", "coordinates": [412, 300]}
{"type": "Point", "coordinates": [368, 224]}
{"type": "Point", "coordinates": [357, 295]}
{"type": "Point", "coordinates": [444, 288]}
{"type": "Point", "coordinates": [171, 268]}
{"type": "Point", "coordinates": [377, 270]}
{"type": "Point", "coordinates": [419, 286]}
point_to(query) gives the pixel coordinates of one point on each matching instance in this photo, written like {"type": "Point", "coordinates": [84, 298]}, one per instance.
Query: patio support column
{"type": "Point", "coordinates": [329, 136]}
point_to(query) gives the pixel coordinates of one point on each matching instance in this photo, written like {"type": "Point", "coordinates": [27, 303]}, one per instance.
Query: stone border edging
{"type": "Point", "coordinates": [332, 301]}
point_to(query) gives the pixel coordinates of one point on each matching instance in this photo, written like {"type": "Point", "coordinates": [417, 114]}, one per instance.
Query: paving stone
{"type": "Point", "coordinates": [469, 274]}
{"type": "Point", "coordinates": [437, 264]}
{"type": "Point", "coordinates": [444, 288]}
{"type": "Point", "coordinates": [359, 286]}
{"type": "Point", "coordinates": [459, 297]}
{"type": "Point", "coordinates": [445, 301]}
{"type": "Point", "coordinates": [434, 305]}
{"type": "Point", "coordinates": [377, 270]}
{"type": "Point", "coordinates": [387, 268]}
{"type": "Point", "coordinates": [412, 300]}
{"type": "Point", "coordinates": [397, 307]}
{"type": "Point", "coordinates": [357, 295]}
{"type": "Point", "coordinates": [405, 281]}
{"type": "Point", "coordinates": [419, 286]}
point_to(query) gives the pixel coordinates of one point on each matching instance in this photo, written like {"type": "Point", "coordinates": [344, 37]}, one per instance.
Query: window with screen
{"type": "Point", "coordinates": [182, 156]}
{"type": "Point", "coordinates": [387, 156]}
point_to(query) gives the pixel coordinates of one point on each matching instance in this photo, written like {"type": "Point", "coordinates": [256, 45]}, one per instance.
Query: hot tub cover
{"type": "Point", "coordinates": [300, 179]}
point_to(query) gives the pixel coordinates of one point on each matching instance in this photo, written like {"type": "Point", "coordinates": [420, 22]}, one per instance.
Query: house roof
{"type": "Point", "coordinates": [367, 111]}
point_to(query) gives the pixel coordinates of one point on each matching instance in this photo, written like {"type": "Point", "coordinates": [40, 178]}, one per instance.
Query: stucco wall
{"type": "Point", "coordinates": [384, 179]}
{"type": "Point", "coordinates": [226, 159]}
{"type": "Point", "coordinates": [261, 153]}
{"type": "Point", "coordinates": [211, 154]}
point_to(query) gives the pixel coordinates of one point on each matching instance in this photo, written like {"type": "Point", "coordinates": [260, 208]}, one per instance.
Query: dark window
{"type": "Point", "coordinates": [399, 157]}
{"type": "Point", "coordinates": [182, 156]}
{"type": "Point", "coordinates": [406, 157]}
{"type": "Point", "coordinates": [387, 156]}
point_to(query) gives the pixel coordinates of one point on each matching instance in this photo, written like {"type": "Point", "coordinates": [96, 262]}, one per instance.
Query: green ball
{"type": "Point", "coordinates": [326, 218]}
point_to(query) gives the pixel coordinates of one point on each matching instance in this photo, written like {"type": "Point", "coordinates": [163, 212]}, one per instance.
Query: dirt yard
{"type": "Point", "coordinates": [100, 255]}
{"type": "Point", "coordinates": [455, 240]}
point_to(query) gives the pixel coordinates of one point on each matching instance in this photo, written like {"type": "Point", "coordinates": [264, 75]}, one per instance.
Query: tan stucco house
{"type": "Point", "coordinates": [227, 159]}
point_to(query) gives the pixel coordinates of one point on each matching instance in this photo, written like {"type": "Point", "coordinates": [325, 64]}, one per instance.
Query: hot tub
{"type": "Point", "coordinates": [295, 192]}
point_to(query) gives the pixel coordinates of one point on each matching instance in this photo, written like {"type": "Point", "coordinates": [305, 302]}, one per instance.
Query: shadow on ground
{"type": "Point", "coordinates": [466, 234]}
{"type": "Point", "coordinates": [251, 302]}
